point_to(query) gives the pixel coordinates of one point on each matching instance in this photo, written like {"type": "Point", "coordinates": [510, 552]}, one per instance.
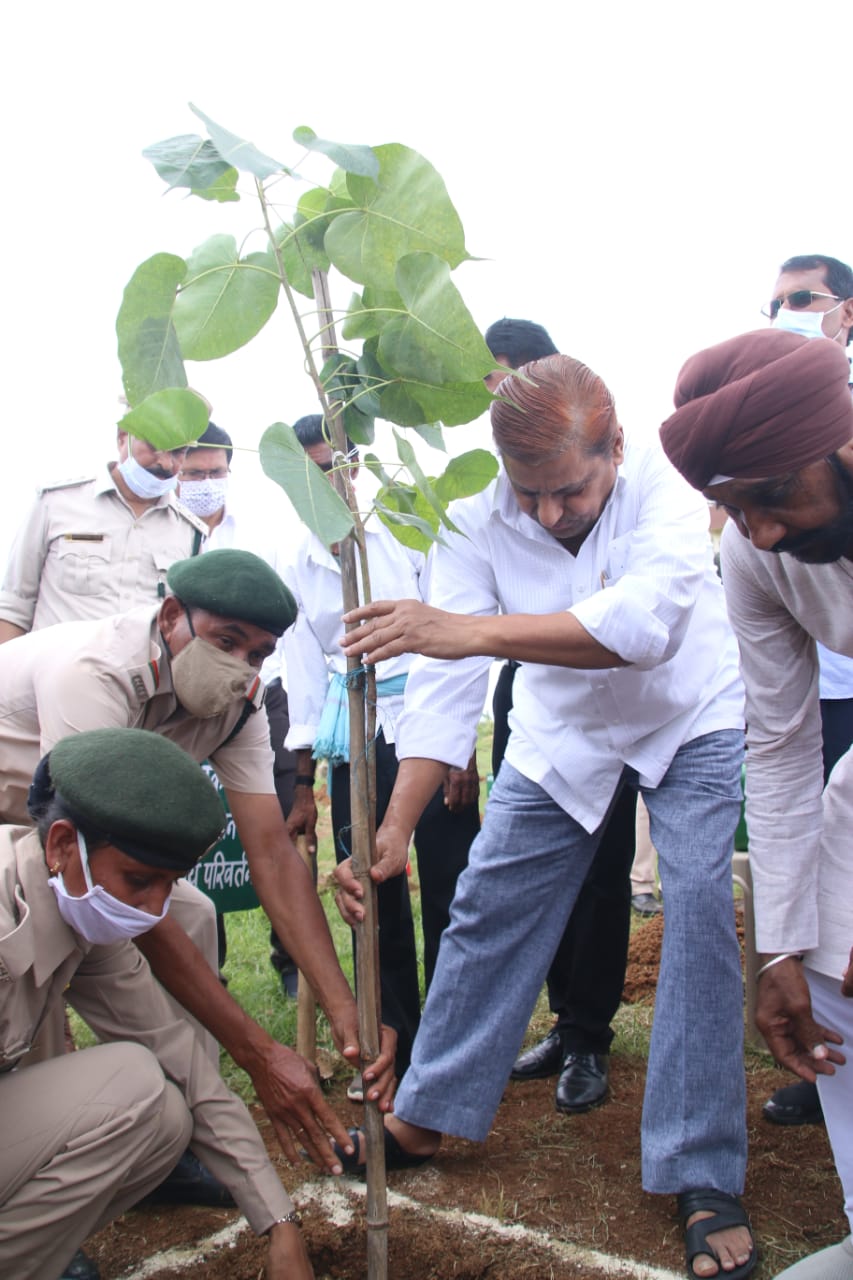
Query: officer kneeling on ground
{"type": "Point", "coordinates": [121, 814]}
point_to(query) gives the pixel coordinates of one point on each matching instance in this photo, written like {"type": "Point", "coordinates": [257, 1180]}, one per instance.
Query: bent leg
{"type": "Point", "coordinates": [693, 1132]}
{"type": "Point", "coordinates": [511, 905]}
{"type": "Point", "coordinates": [85, 1137]}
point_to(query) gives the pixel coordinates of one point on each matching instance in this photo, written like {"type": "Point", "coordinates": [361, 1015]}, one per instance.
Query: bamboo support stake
{"type": "Point", "coordinates": [306, 1005]}
{"type": "Point", "coordinates": [363, 818]}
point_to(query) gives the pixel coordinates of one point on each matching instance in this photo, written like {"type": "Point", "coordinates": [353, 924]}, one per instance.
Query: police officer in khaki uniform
{"type": "Point", "coordinates": [88, 1135]}
{"type": "Point", "coordinates": [188, 671]}
{"type": "Point", "coordinates": [100, 545]}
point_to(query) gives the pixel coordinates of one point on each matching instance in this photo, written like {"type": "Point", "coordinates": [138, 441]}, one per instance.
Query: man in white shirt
{"type": "Point", "coordinates": [316, 665]}
{"type": "Point", "coordinates": [764, 426]}
{"type": "Point", "coordinates": [590, 562]}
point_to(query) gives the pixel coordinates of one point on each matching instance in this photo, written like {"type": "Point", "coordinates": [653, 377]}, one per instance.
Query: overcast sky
{"type": "Point", "coordinates": [633, 174]}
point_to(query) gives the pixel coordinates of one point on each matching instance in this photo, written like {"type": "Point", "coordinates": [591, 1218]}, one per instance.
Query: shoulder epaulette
{"type": "Point", "coordinates": [66, 484]}
{"type": "Point", "coordinates": [196, 522]}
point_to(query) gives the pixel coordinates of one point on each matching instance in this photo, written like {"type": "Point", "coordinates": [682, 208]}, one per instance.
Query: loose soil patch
{"type": "Point", "coordinates": [575, 1178]}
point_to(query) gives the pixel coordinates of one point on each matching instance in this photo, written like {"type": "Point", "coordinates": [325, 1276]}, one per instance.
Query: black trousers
{"type": "Point", "coordinates": [442, 841]}
{"type": "Point", "coordinates": [836, 716]}
{"type": "Point", "coordinates": [284, 776]}
{"type": "Point", "coordinates": [587, 973]}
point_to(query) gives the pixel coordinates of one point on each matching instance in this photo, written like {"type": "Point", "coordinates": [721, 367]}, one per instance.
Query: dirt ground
{"type": "Point", "coordinates": [575, 1178]}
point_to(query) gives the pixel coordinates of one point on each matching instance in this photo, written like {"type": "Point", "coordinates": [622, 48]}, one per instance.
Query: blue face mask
{"type": "Point", "coordinates": [142, 482]}
{"type": "Point", "coordinates": [808, 324]}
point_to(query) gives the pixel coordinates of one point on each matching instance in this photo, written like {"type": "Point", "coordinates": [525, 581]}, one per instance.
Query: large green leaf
{"type": "Point", "coordinates": [370, 311]}
{"type": "Point", "coordinates": [191, 161]}
{"type": "Point", "coordinates": [225, 300]}
{"type": "Point", "coordinates": [431, 433]}
{"type": "Point", "coordinates": [465, 475]}
{"type": "Point", "coordinates": [314, 500]}
{"type": "Point", "coordinates": [301, 253]}
{"type": "Point", "coordinates": [168, 419]}
{"type": "Point", "coordinates": [359, 426]}
{"type": "Point", "coordinates": [418, 531]}
{"type": "Point", "coordinates": [407, 210]}
{"type": "Point", "coordinates": [241, 154]}
{"type": "Point", "coordinates": [399, 405]}
{"type": "Point", "coordinates": [411, 404]}
{"type": "Point", "coordinates": [355, 159]}
{"type": "Point", "coordinates": [147, 342]}
{"type": "Point", "coordinates": [407, 456]}
{"type": "Point", "coordinates": [435, 340]}
{"type": "Point", "coordinates": [223, 190]}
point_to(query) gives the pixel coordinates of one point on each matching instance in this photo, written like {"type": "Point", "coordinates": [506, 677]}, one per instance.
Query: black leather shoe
{"type": "Point", "coordinates": [583, 1082]}
{"type": "Point", "coordinates": [544, 1059]}
{"type": "Point", "coordinates": [81, 1267]}
{"type": "Point", "coordinates": [795, 1104]}
{"type": "Point", "coordinates": [190, 1183]}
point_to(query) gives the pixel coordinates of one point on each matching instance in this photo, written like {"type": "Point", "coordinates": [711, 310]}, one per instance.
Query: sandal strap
{"type": "Point", "coordinates": [710, 1200]}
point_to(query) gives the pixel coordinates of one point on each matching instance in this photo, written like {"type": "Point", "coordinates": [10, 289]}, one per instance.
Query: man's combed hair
{"type": "Point", "coordinates": [312, 430]}
{"type": "Point", "coordinates": [519, 341]}
{"type": "Point", "coordinates": [837, 274]}
{"type": "Point", "coordinates": [557, 404]}
{"type": "Point", "coordinates": [213, 438]}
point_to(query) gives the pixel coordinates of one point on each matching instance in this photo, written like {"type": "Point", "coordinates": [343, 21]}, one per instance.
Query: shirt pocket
{"type": "Point", "coordinates": [618, 558]}
{"type": "Point", "coordinates": [84, 564]}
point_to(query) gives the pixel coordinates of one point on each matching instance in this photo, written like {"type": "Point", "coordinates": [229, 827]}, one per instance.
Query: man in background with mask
{"type": "Point", "coordinates": [814, 298]}
{"type": "Point", "coordinates": [100, 545]}
{"type": "Point", "coordinates": [204, 484]}
{"type": "Point", "coordinates": [203, 488]}
{"type": "Point", "coordinates": [188, 670]}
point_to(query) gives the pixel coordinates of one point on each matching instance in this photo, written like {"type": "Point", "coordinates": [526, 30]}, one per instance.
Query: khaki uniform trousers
{"type": "Point", "coordinates": [85, 1137]}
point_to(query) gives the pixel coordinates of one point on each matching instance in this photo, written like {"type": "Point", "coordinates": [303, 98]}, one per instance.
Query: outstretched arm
{"type": "Point", "coordinates": [285, 1083]}
{"type": "Point", "coordinates": [285, 888]}
{"type": "Point", "coordinates": [388, 628]}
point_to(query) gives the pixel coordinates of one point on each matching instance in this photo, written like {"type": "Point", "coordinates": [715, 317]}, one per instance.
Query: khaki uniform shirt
{"type": "Point", "coordinates": [113, 990]}
{"type": "Point", "coordinates": [111, 674]}
{"type": "Point", "coordinates": [83, 553]}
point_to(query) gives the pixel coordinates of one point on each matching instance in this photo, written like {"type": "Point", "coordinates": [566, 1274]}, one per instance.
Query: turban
{"type": "Point", "coordinates": [760, 405]}
{"type": "Point", "coordinates": [147, 796]}
{"type": "Point", "coordinates": [234, 584]}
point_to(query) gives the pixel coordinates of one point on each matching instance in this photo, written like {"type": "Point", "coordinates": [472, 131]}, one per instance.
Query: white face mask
{"type": "Point", "coordinates": [207, 681]}
{"type": "Point", "coordinates": [97, 916]}
{"type": "Point", "coordinates": [808, 324]}
{"type": "Point", "coordinates": [204, 497]}
{"type": "Point", "coordinates": [142, 482]}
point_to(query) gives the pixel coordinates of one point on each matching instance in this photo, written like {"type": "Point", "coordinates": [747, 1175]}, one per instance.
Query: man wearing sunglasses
{"type": "Point", "coordinates": [814, 298]}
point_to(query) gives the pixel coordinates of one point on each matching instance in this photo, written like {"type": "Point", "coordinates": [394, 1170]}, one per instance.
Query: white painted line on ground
{"type": "Point", "coordinates": [335, 1201]}
{"type": "Point", "coordinates": [187, 1256]}
{"type": "Point", "coordinates": [329, 1197]}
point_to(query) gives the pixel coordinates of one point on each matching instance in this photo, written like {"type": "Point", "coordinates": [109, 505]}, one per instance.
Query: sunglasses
{"type": "Point", "coordinates": [799, 300]}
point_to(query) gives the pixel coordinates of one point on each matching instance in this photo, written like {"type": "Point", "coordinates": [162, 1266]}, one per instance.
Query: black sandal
{"type": "Point", "coordinates": [395, 1156]}
{"type": "Point", "coordinates": [727, 1212]}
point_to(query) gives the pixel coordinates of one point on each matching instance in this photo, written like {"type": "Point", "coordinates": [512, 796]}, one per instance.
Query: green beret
{"type": "Point", "coordinates": [234, 584]}
{"type": "Point", "coordinates": [141, 791]}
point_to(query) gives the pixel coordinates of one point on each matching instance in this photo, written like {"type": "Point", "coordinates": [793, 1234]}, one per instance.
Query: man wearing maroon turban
{"type": "Point", "coordinates": [764, 426]}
